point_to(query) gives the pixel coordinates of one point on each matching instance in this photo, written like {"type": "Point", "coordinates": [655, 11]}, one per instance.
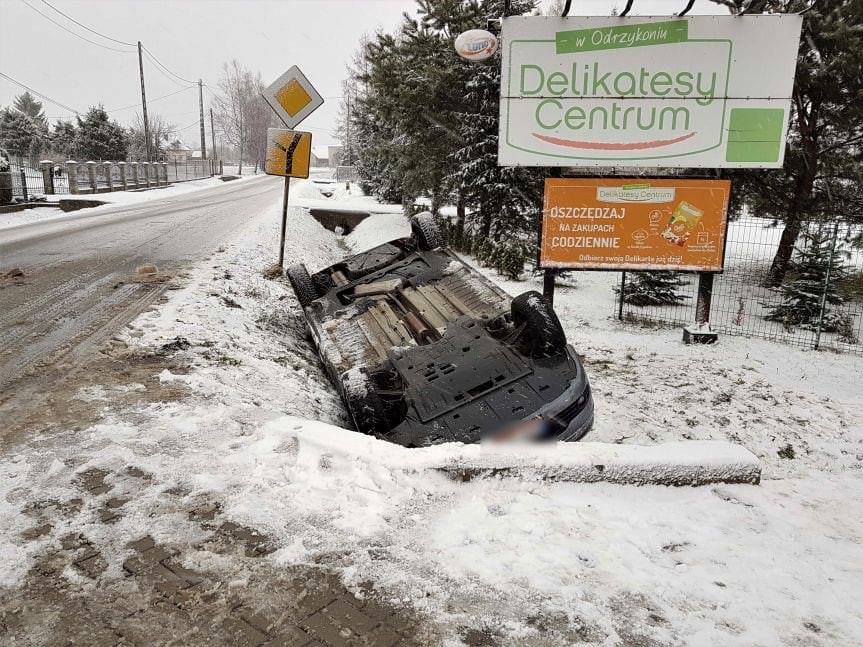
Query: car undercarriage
{"type": "Point", "coordinates": [424, 349]}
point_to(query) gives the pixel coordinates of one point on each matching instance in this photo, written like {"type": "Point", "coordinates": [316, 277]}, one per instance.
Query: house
{"type": "Point", "coordinates": [177, 151]}
{"type": "Point", "coordinates": [320, 157]}
{"type": "Point", "coordinates": [326, 156]}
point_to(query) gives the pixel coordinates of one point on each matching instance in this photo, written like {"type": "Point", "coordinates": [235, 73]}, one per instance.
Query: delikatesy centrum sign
{"type": "Point", "coordinates": [700, 91]}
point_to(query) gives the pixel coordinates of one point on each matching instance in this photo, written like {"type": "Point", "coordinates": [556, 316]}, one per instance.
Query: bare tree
{"type": "Point", "coordinates": [241, 112]}
{"type": "Point", "coordinates": [160, 134]}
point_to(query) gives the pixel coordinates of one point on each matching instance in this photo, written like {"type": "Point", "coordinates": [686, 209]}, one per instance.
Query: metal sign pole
{"type": "Point", "coordinates": [548, 277]}
{"type": "Point", "coordinates": [284, 222]}
{"type": "Point", "coordinates": [289, 163]}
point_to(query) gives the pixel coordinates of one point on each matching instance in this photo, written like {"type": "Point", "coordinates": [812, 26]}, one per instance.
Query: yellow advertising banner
{"type": "Point", "coordinates": [288, 153]}
{"type": "Point", "coordinates": [634, 224]}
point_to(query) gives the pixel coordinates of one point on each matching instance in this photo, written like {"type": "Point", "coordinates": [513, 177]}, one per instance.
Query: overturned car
{"type": "Point", "coordinates": [425, 350]}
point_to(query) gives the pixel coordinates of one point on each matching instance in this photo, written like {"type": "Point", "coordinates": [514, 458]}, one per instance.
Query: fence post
{"type": "Point", "coordinates": [622, 293]}
{"type": "Point", "coordinates": [24, 185]}
{"type": "Point", "coordinates": [122, 166]}
{"type": "Point", "coordinates": [135, 175]}
{"type": "Point", "coordinates": [47, 176]}
{"type": "Point", "coordinates": [221, 168]}
{"type": "Point", "coordinates": [108, 179]}
{"type": "Point", "coordinates": [164, 167]}
{"type": "Point", "coordinates": [145, 171]}
{"type": "Point", "coordinates": [91, 175]}
{"type": "Point", "coordinates": [72, 176]}
{"type": "Point", "coordinates": [823, 306]}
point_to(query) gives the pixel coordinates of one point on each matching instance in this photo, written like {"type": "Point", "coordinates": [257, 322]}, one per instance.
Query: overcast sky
{"type": "Point", "coordinates": [193, 38]}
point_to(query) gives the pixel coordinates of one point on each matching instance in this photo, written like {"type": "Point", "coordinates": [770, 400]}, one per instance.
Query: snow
{"type": "Point", "coordinates": [377, 229]}
{"type": "Point", "coordinates": [113, 199]}
{"type": "Point", "coordinates": [531, 560]}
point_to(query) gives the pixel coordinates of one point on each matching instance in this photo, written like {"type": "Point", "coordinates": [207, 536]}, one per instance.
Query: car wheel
{"type": "Point", "coordinates": [364, 404]}
{"type": "Point", "coordinates": [425, 231]}
{"type": "Point", "coordinates": [323, 283]}
{"type": "Point", "coordinates": [543, 334]}
{"type": "Point", "coordinates": [300, 280]}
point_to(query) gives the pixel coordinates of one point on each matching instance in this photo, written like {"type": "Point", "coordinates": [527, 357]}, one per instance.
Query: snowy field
{"type": "Point", "coordinates": [259, 430]}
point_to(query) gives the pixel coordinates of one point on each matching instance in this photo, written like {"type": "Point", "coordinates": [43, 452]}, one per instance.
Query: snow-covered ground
{"type": "Point", "coordinates": [527, 561]}
{"type": "Point", "coordinates": [113, 199]}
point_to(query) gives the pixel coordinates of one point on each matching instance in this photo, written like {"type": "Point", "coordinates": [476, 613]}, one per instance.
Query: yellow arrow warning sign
{"type": "Point", "coordinates": [288, 153]}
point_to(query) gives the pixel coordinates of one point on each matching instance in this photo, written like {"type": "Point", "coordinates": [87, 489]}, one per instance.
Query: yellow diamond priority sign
{"type": "Point", "coordinates": [293, 97]}
{"type": "Point", "coordinates": [288, 152]}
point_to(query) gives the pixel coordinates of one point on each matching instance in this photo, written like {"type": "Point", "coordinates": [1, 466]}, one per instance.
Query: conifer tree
{"type": "Point", "coordinates": [26, 103]}
{"type": "Point", "coordinates": [16, 132]}
{"type": "Point", "coordinates": [652, 288]}
{"type": "Point", "coordinates": [505, 202]}
{"type": "Point", "coordinates": [807, 285]}
{"type": "Point", "coordinates": [99, 138]}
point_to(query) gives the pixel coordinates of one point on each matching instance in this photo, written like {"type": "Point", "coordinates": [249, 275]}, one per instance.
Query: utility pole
{"type": "Point", "coordinates": [242, 132]}
{"type": "Point", "coordinates": [213, 135]}
{"type": "Point", "coordinates": [201, 108]}
{"type": "Point", "coordinates": [144, 103]}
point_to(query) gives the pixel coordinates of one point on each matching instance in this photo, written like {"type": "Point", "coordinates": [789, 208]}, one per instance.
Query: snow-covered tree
{"type": "Point", "coordinates": [23, 128]}
{"type": "Point", "coordinates": [100, 138]}
{"type": "Point", "coordinates": [807, 285]}
{"type": "Point", "coordinates": [242, 114]}
{"type": "Point", "coordinates": [27, 104]}
{"type": "Point", "coordinates": [504, 202]}
{"type": "Point", "coordinates": [160, 132]}
{"type": "Point", "coordinates": [652, 288]}
{"type": "Point", "coordinates": [16, 132]}
{"type": "Point", "coordinates": [63, 140]}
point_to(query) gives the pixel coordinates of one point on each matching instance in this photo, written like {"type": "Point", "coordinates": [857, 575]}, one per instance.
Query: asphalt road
{"type": "Point", "coordinates": [79, 286]}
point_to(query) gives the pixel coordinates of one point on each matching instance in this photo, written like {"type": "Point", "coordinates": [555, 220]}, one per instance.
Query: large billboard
{"type": "Point", "coordinates": [699, 91]}
{"type": "Point", "coordinates": [634, 224]}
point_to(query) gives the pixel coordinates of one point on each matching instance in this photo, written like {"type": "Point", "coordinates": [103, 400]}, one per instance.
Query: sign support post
{"type": "Point", "coordinates": [284, 222]}
{"type": "Point", "coordinates": [548, 276]}
{"type": "Point", "coordinates": [701, 333]}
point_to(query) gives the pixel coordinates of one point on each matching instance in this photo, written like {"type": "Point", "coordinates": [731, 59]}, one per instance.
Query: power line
{"type": "Point", "coordinates": [160, 70]}
{"type": "Point", "coordinates": [121, 42]}
{"type": "Point", "coordinates": [158, 62]}
{"type": "Point", "coordinates": [39, 94]}
{"type": "Point", "coordinates": [137, 104]}
{"type": "Point", "coordinates": [93, 42]}
{"type": "Point", "coordinates": [194, 123]}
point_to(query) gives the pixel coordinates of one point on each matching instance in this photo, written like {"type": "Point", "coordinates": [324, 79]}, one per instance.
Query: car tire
{"type": "Point", "coordinates": [300, 280]}
{"type": "Point", "coordinates": [543, 334]}
{"type": "Point", "coordinates": [364, 404]}
{"type": "Point", "coordinates": [425, 231]}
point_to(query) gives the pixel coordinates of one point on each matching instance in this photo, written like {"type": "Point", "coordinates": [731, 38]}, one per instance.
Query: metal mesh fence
{"type": "Point", "coordinates": [743, 305]}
